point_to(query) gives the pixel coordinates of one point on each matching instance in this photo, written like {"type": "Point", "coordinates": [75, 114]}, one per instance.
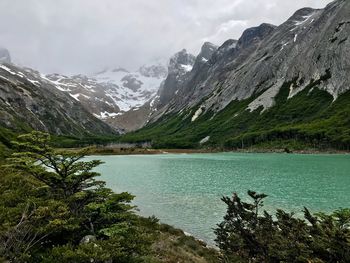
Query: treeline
{"type": "Point", "coordinates": [298, 136]}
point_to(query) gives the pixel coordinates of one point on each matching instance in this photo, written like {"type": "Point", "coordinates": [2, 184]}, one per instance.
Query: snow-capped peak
{"type": "Point", "coordinates": [113, 91]}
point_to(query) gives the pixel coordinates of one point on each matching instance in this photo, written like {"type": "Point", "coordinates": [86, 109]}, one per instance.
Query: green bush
{"type": "Point", "coordinates": [252, 235]}
{"type": "Point", "coordinates": [51, 200]}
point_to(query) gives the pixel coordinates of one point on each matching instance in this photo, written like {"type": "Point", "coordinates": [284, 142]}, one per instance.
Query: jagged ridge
{"type": "Point", "coordinates": [307, 53]}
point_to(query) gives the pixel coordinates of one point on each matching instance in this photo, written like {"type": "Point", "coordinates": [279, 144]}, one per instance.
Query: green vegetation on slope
{"type": "Point", "coordinates": [59, 141]}
{"type": "Point", "coordinates": [310, 119]}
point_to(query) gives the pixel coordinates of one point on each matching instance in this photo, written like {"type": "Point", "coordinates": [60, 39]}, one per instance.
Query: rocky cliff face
{"type": "Point", "coordinates": [284, 85]}
{"type": "Point", "coordinates": [312, 46]}
{"type": "Point", "coordinates": [28, 101]}
{"type": "Point", "coordinates": [179, 67]}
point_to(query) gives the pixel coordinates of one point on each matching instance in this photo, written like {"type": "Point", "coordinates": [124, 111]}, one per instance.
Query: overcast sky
{"type": "Point", "coordinates": [82, 36]}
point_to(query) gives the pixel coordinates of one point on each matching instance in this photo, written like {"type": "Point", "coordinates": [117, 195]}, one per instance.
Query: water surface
{"type": "Point", "coordinates": [184, 190]}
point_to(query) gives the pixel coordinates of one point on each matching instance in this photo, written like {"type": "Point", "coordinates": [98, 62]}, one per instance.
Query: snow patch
{"type": "Point", "coordinates": [85, 96]}
{"type": "Point", "coordinates": [283, 45]}
{"type": "Point", "coordinates": [10, 71]}
{"type": "Point", "coordinates": [232, 46]}
{"type": "Point", "coordinates": [295, 37]}
{"type": "Point", "coordinates": [153, 101]}
{"type": "Point", "coordinates": [35, 82]}
{"type": "Point", "coordinates": [5, 78]}
{"type": "Point", "coordinates": [305, 19]}
{"type": "Point", "coordinates": [106, 114]}
{"type": "Point", "coordinates": [127, 99]}
{"type": "Point", "coordinates": [197, 114]}
{"type": "Point", "coordinates": [187, 68]}
{"type": "Point", "coordinates": [75, 96]}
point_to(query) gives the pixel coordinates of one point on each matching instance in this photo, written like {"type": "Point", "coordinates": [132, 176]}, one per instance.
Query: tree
{"type": "Point", "coordinates": [248, 234]}
{"type": "Point", "coordinates": [53, 204]}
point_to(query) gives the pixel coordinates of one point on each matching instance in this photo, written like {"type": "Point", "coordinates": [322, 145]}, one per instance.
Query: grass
{"type": "Point", "coordinates": [172, 245]}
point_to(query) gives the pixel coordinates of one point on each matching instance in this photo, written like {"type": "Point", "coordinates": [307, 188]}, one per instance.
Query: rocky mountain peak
{"type": "Point", "coordinates": [179, 66]}
{"type": "Point", "coordinates": [254, 34]}
{"type": "Point", "coordinates": [207, 51]}
{"type": "Point", "coordinates": [311, 48]}
{"type": "Point", "coordinates": [224, 50]}
{"type": "Point", "coordinates": [302, 12]}
{"type": "Point", "coordinates": [204, 57]}
{"type": "Point", "coordinates": [5, 56]}
{"type": "Point", "coordinates": [301, 16]}
{"type": "Point", "coordinates": [181, 61]}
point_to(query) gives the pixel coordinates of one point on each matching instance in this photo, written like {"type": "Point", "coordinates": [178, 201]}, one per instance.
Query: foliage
{"type": "Point", "coordinates": [53, 209]}
{"type": "Point", "coordinates": [51, 201]}
{"type": "Point", "coordinates": [248, 234]}
{"type": "Point", "coordinates": [311, 118]}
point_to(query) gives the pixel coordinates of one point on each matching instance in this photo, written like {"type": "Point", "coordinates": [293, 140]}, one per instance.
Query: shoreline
{"type": "Point", "coordinates": [150, 151]}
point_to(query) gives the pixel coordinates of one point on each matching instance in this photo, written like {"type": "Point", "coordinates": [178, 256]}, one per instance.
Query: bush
{"type": "Point", "coordinates": [51, 201]}
{"type": "Point", "coordinates": [252, 235]}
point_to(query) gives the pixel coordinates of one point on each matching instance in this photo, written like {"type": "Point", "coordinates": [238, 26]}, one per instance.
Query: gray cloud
{"type": "Point", "coordinates": [72, 36]}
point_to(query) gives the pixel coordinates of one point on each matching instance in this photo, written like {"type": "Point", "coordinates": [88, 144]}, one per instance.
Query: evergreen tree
{"type": "Point", "coordinates": [53, 209]}
{"type": "Point", "coordinates": [248, 234]}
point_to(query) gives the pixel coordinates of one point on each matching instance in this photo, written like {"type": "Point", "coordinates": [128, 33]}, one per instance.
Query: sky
{"type": "Point", "coordinates": [85, 36]}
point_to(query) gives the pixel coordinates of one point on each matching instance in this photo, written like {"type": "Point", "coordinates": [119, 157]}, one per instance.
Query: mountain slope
{"type": "Point", "coordinates": [111, 93]}
{"type": "Point", "coordinates": [27, 101]}
{"type": "Point", "coordinates": [288, 83]}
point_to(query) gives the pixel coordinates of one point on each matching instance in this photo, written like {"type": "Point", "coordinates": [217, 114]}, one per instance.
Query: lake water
{"type": "Point", "coordinates": [184, 190]}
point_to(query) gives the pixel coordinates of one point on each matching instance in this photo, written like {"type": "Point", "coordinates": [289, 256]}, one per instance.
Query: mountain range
{"type": "Point", "coordinates": [275, 84]}
{"type": "Point", "coordinates": [285, 85]}
{"type": "Point", "coordinates": [29, 101]}
{"type": "Point", "coordinates": [111, 93]}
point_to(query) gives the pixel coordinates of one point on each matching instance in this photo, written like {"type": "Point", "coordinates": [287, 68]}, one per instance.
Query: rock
{"type": "Point", "coordinates": [179, 68]}
{"type": "Point", "coordinates": [35, 102]}
{"type": "Point", "coordinates": [311, 46]}
{"type": "Point", "coordinates": [204, 140]}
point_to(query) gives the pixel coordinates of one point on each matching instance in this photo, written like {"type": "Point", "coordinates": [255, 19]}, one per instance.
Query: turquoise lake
{"type": "Point", "coordinates": [184, 190]}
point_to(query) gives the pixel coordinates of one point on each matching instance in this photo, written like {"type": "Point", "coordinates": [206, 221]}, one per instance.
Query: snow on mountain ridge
{"type": "Point", "coordinates": [112, 92]}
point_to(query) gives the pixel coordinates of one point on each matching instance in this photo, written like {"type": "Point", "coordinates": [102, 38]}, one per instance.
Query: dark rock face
{"type": "Point", "coordinates": [27, 101]}
{"type": "Point", "coordinates": [5, 56]}
{"type": "Point", "coordinates": [254, 34]}
{"type": "Point", "coordinates": [206, 53]}
{"type": "Point", "coordinates": [313, 45]}
{"type": "Point", "coordinates": [179, 67]}
{"type": "Point", "coordinates": [131, 82]}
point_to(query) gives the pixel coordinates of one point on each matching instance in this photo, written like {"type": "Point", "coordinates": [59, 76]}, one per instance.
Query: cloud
{"type": "Point", "coordinates": [81, 36]}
